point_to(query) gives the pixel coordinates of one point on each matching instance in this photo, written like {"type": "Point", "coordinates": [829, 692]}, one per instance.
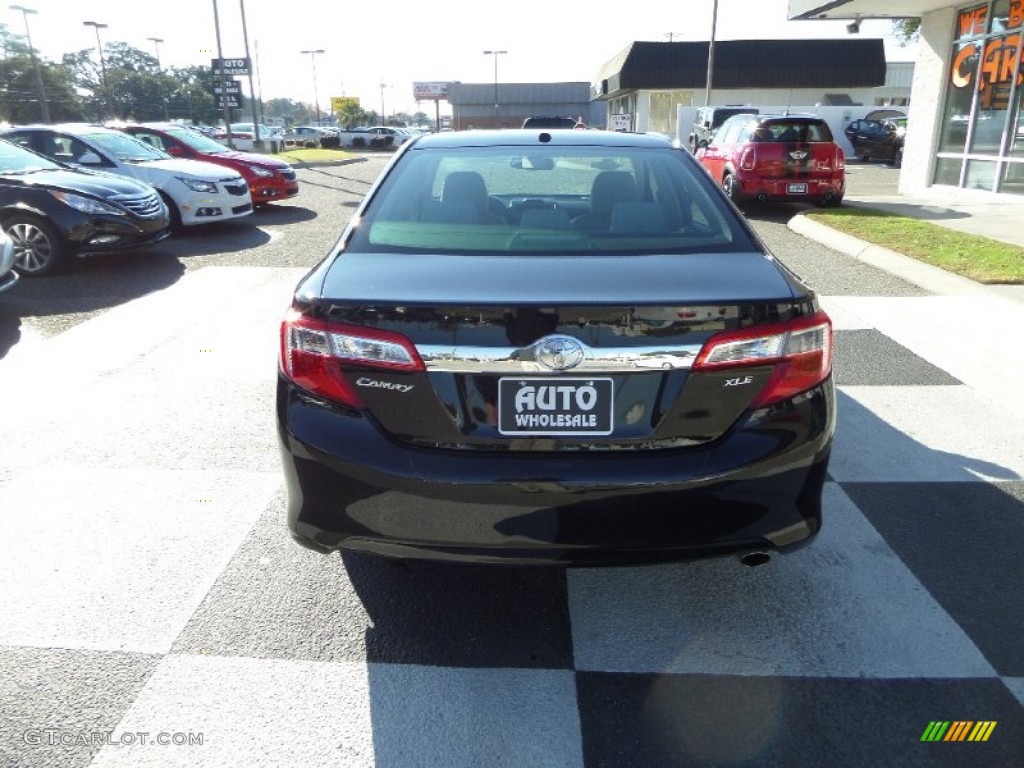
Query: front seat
{"type": "Point", "coordinates": [609, 189]}
{"type": "Point", "coordinates": [464, 200]}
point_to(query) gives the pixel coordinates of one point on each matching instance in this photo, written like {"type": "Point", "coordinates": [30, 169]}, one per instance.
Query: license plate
{"type": "Point", "coordinates": [555, 406]}
{"type": "Point", "coordinates": [796, 189]}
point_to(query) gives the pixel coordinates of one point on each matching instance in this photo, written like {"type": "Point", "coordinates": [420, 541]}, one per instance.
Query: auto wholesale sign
{"type": "Point", "coordinates": [223, 67]}
{"type": "Point", "coordinates": [430, 91]}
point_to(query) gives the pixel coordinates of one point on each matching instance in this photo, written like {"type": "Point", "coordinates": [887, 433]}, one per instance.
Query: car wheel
{"type": "Point", "coordinates": [865, 157]}
{"type": "Point", "coordinates": [830, 200]}
{"type": "Point", "coordinates": [173, 210]}
{"type": "Point", "coordinates": [38, 249]}
{"type": "Point", "coordinates": [731, 187]}
{"type": "Point", "coordinates": [897, 158]}
{"type": "Point", "coordinates": [693, 145]}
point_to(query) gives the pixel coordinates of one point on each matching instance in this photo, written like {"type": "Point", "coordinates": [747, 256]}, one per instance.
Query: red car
{"type": "Point", "coordinates": [269, 179]}
{"type": "Point", "coordinates": [776, 157]}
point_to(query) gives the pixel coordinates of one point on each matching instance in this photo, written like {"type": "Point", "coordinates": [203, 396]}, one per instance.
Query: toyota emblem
{"type": "Point", "coordinates": [559, 353]}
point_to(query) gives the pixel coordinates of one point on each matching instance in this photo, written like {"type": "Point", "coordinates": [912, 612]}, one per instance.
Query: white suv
{"type": "Point", "coordinates": [195, 192]}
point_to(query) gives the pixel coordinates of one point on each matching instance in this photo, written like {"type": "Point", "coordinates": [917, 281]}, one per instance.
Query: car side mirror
{"type": "Point", "coordinates": [89, 158]}
{"type": "Point", "coordinates": [174, 151]}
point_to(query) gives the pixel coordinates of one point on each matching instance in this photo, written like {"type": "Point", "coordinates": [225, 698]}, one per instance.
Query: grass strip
{"type": "Point", "coordinates": [973, 256]}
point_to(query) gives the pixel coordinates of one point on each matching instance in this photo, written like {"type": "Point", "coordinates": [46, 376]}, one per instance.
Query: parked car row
{"type": "Point", "coordinates": [76, 189]}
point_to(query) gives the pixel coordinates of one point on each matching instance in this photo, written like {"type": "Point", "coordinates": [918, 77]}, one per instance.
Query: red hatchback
{"type": "Point", "coordinates": [776, 157]}
{"type": "Point", "coordinates": [269, 179]}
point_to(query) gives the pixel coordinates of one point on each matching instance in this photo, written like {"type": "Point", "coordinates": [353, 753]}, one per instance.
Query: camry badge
{"type": "Point", "coordinates": [559, 353]}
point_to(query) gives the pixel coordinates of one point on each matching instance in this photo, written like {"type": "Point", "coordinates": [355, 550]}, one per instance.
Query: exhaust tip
{"type": "Point", "coordinates": [762, 197]}
{"type": "Point", "coordinates": [754, 559]}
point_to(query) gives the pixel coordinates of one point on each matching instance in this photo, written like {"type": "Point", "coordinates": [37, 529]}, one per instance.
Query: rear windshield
{"type": "Point", "coordinates": [548, 200]}
{"type": "Point", "coordinates": [787, 130]}
{"type": "Point", "coordinates": [549, 122]}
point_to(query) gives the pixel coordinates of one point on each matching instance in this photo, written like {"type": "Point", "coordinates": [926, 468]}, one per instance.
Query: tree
{"type": "Point", "coordinates": [19, 90]}
{"type": "Point", "coordinates": [905, 30]}
{"type": "Point", "coordinates": [352, 115]}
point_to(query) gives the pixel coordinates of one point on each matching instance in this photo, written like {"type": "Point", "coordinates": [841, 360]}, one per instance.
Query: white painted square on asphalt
{"type": "Point", "coordinates": [844, 606]}
{"type": "Point", "coordinates": [262, 712]}
{"type": "Point", "coordinates": [968, 336]}
{"type": "Point", "coordinates": [927, 433]}
{"type": "Point", "coordinates": [843, 319]}
{"type": "Point", "coordinates": [117, 560]}
{"type": "Point", "coordinates": [247, 712]}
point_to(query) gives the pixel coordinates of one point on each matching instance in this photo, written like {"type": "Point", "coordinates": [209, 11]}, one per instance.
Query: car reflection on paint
{"type": "Point", "coordinates": [617, 372]}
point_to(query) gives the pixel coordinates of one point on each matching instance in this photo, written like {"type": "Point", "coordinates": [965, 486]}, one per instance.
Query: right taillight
{"type": "Point", "coordinates": [800, 350]}
{"type": "Point", "coordinates": [840, 158]}
{"type": "Point", "coordinates": [315, 352]}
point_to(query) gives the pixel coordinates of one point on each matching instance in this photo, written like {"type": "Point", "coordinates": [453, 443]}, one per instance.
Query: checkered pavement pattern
{"type": "Point", "coordinates": [148, 589]}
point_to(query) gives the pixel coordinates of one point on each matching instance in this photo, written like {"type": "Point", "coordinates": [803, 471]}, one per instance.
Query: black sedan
{"type": "Point", "coordinates": [534, 346]}
{"type": "Point", "coordinates": [52, 212]}
{"type": "Point", "coordinates": [878, 139]}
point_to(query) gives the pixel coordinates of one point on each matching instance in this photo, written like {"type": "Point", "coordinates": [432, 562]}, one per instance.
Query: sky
{"type": "Point", "coordinates": [393, 43]}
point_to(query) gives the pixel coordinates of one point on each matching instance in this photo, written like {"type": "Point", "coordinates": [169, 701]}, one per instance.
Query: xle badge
{"type": "Point", "coordinates": [738, 381]}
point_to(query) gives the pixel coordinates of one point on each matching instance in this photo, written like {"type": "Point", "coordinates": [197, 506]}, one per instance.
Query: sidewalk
{"type": "Point", "coordinates": [1001, 220]}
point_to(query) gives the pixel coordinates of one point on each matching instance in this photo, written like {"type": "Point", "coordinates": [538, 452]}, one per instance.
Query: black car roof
{"type": "Point", "coordinates": [532, 137]}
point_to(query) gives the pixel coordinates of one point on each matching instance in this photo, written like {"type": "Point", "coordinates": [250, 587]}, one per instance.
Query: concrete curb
{"type": "Point", "coordinates": [932, 279]}
{"type": "Point", "coordinates": [327, 163]}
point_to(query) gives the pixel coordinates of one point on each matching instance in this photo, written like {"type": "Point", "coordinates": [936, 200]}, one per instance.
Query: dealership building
{"type": "Point", "coordinates": [966, 129]}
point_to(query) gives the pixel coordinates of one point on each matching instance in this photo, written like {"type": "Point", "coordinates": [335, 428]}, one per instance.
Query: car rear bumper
{"type": "Point", "coordinates": [783, 189]}
{"type": "Point", "coordinates": [350, 486]}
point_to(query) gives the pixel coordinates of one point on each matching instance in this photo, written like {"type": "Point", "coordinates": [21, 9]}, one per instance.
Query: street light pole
{"type": "Point", "coordinates": [160, 69]}
{"type": "Point", "coordinates": [495, 54]}
{"type": "Point", "coordinates": [316, 95]}
{"type": "Point", "coordinates": [35, 63]}
{"type": "Point", "coordinates": [103, 64]}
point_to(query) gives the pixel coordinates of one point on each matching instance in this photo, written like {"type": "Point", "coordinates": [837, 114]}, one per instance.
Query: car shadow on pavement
{"type": "Point", "coordinates": [85, 285]}
{"type": "Point", "coordinates": [274, 213]}
{"type": "Point", "coordinates": [227, 237]}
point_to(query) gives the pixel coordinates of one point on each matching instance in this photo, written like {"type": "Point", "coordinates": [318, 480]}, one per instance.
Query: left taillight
{"type": "Point", "coordinates": [748, 160]}
{"type": "Point", "coordinates": [315, 354]}
{"type": "Point", "coordinates": [800, 350]}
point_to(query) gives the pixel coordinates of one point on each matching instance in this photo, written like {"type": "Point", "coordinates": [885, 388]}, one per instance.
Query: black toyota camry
{"type": "Point", "coordinates": [535, 346]}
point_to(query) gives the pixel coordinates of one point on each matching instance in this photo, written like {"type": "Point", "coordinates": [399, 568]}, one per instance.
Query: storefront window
{"type": "Point", "coordinates": [947, 171]}
{"type": "Point", "coordinates": [981, 174]}
{"type": "Point", "coordinates": [663, 109]}
{"type": "Point", "coordinates": [958, 100]}
{"type": "Point", "coordinates": [983, 94]}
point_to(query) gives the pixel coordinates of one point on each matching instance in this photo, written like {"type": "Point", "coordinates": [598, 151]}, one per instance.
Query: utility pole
{"type": "Point", "coordinates": [220, 79]}
{"type": "Point", "coordinates": [257, 144]}
{"type": "Point", "coordinates": [711, 53]}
